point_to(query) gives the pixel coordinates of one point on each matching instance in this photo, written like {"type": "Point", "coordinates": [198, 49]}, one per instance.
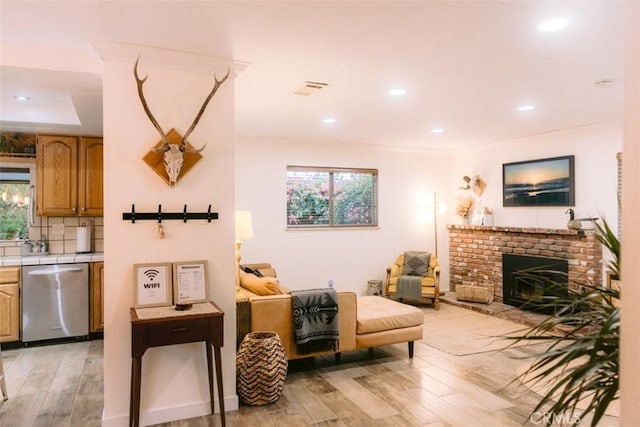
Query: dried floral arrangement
{"type": "Point", "coordinates": [465, 206]}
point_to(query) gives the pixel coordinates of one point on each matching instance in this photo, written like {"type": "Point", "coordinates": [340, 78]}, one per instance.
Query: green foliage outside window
{"type": "Point", "coordinates": [326, 197]}
{"type": "Point", "coordinates": [13, 211]}
{"type": "Point", "coordinates": [353, 195]}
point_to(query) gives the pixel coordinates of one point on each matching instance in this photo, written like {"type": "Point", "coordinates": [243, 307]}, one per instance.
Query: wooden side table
{"type": "Point", "coordinates": [160, 326]}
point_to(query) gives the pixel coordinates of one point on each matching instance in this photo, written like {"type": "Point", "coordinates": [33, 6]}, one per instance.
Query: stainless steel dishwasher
{"type": "Point", "coordinates": [55, 301]}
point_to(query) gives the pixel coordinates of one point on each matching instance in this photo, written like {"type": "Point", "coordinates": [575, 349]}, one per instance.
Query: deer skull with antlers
{"type": "Point", "coordinates": [173, 156]}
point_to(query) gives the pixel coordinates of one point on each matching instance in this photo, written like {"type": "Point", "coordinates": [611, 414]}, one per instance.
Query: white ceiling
{"type": "Point", "coordinates": [466, 66]}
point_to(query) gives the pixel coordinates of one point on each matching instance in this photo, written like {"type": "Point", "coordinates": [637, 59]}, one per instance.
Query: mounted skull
{"type": "Point", "coordinates": [173, 156]}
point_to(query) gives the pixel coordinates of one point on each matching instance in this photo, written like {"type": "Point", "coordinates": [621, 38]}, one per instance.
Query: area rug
{"type": "Point", "coordinates": [460, 331]}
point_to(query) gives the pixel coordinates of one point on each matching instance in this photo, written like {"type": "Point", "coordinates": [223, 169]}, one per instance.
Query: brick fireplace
{"type": "Point", "coordinates": [475, 253]}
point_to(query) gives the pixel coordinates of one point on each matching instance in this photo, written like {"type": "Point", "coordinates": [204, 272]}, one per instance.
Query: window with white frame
{"type": "Point", "coordinates": [15, 196]}
{"type": "Point", "coordinates": [324, 197]}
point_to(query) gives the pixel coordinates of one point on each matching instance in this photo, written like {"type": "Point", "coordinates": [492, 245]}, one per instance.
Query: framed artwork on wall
{"type": "Point", "coordinates": [153, 285]}
{"type": "Point", "coordinates": [542, 182]}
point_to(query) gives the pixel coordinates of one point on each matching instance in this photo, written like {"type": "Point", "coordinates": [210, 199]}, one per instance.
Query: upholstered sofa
{"type": "Point", "coordinates": [364, 321]}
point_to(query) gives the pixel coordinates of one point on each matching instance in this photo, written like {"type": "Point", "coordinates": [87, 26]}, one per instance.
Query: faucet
{"type": "Point", "coordinates": [27, 247]}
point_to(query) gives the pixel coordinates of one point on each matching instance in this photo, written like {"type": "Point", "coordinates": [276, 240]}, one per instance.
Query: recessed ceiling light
{"type": "Point", "coordinates": [553, 24]}
{"type": "Point", "coordinates": [437, 130]}
{"type": "Point", "coordinates": [397, 92]}
{"type": "Point", "coordinates": [526, 108]}
{"type": "Point", "coordinates": [328, 120]}
{"type": "Point", "coordinates": [22, 98]}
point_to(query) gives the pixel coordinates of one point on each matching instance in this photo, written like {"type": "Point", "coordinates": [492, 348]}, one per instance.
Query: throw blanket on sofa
{"type": "Point", "coordinates": [315, 320]}
{"type": "Point", "coordinates": [409, 287]}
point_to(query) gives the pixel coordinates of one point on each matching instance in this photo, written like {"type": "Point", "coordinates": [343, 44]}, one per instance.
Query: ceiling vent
{"type": "Point", "coordinates": [309, 88]}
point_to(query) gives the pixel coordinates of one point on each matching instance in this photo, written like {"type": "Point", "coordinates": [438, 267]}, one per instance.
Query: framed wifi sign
{"type": "Point", "coordinates": [153, 285]}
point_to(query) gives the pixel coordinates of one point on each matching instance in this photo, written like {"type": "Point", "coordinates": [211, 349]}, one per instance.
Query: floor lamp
{"type": "Point", "coordinates": [244, 231]}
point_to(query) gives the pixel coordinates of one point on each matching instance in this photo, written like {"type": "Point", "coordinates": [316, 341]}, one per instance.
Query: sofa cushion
{"type": "Point", "coordinates": [375, 314]}
{"type": "Point", "coordinates": [264, 268]}
{"type": "Point", "coordinates": [267, 272]}
{"type": "Point", "coordinates": [260, 285]}
{"type": "Point", "coordinates": [251, 271]}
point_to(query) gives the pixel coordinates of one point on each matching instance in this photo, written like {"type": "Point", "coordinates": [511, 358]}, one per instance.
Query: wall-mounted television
{"type": "Point", "coordinates": [542, 182]}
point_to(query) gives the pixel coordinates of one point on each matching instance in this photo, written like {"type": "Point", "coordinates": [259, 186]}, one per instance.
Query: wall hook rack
{"type": "Point", "coordinates": [159, 216]}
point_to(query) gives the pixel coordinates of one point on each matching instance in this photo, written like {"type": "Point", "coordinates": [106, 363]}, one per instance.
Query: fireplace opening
{"type": "Point", "coordinates": [532, 283]}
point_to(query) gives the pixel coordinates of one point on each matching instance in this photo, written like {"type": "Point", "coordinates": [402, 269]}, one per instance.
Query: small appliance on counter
{"type": "Point", "coordinates": [83, 238]}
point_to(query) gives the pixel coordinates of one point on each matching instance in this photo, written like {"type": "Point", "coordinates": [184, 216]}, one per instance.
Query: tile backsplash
{"type": "Point", "coordinates": [60, 233]}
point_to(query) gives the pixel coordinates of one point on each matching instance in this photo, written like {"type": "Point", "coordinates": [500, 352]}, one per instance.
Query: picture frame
{"type": "Point", "coordinates": [541, 182]}
{"type": "Point", "coordinates": [153, 285]}
{"type": "Point", "coordinates": [191, 282]}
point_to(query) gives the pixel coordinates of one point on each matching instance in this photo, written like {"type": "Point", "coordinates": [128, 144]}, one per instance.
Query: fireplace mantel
{"type": "Point", "coordinates": [475, 253]}
{"type": "Point", "coordinates": [523, 230]}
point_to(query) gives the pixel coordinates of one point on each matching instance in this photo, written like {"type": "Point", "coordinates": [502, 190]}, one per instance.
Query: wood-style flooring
{"type": "Point", "coordinates": [53, 385]}
{"type": "Point", "coordinates": [61, 385]}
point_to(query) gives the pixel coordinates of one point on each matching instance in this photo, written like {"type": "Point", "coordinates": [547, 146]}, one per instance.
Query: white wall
{"type": "Point", "coordinates": [310, 258]}
{"type": "Point", "coordinates": [595, 149]}
{"type": "Point", "coordinates": [174, 384]}
{"type": "Point", "coordinates": [306, 259]}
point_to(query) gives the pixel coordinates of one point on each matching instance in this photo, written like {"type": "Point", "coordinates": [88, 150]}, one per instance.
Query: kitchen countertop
{"type": "Point", "coordinates": [12, 261]}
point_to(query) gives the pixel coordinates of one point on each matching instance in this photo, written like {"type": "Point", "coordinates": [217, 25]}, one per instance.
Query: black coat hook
{"type": "Point", "coordinates": [166, 216]}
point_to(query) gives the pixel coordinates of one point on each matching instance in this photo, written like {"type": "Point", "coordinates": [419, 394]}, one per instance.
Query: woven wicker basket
{"type": "Point", "coordinates": [475, 293]}
{"type": "Point", "coordinates": [261, 368]}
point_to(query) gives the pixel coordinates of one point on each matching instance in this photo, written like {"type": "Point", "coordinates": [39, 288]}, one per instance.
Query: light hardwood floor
{"type": "Point", "coordinates": [61, 385]}
{"type": "Point", "coordinates": [53, 385]}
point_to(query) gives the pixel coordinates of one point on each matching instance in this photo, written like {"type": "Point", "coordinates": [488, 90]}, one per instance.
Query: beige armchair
{"type": "Point", "coordinates": [429, 282]}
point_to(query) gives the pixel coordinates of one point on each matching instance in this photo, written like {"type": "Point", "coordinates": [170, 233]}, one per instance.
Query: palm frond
{"type": "Point", "coordinates": [580, 363]}
{"type": "Point", "coordinates": [610, 241]}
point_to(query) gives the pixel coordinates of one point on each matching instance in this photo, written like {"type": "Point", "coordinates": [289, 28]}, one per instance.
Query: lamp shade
{"type": "Point", "coordinates": [244, 225]}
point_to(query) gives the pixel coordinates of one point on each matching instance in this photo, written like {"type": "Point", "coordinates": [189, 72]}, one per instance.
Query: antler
{"type": "Point", "coordinates": [216, 86]}
{"type": "Point", "coordinates": [140, 82]}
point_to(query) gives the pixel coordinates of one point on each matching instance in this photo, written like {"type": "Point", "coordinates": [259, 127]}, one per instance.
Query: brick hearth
{"type": "Point", "coordinates": [475, 253]}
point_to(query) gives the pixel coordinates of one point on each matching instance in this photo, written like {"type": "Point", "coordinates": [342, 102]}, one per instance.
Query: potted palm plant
{"type": "Point", "coordinates": [579, 367]}
{"type": "Point", "coordinates": [611, 242]}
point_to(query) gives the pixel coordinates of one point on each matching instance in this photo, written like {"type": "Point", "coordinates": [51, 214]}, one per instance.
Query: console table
{"type": "Point", "coordinates": [160, 326]}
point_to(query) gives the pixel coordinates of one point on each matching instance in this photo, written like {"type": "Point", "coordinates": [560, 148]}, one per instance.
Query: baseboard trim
{"type": "Point", "coordinates": [171, 413]}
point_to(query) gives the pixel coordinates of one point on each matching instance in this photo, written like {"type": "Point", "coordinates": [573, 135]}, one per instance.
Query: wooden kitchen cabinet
{"type": "Point", "coordinates": [69, 175]}
{"type": "Point", "coordinates": [90, 181]}
{"type": "Point", "coordinates": [96, 311]}
{"type": "Point", "coordinates": [9, 304]}
{"type": "Point", "coordinates": [57, 175]}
